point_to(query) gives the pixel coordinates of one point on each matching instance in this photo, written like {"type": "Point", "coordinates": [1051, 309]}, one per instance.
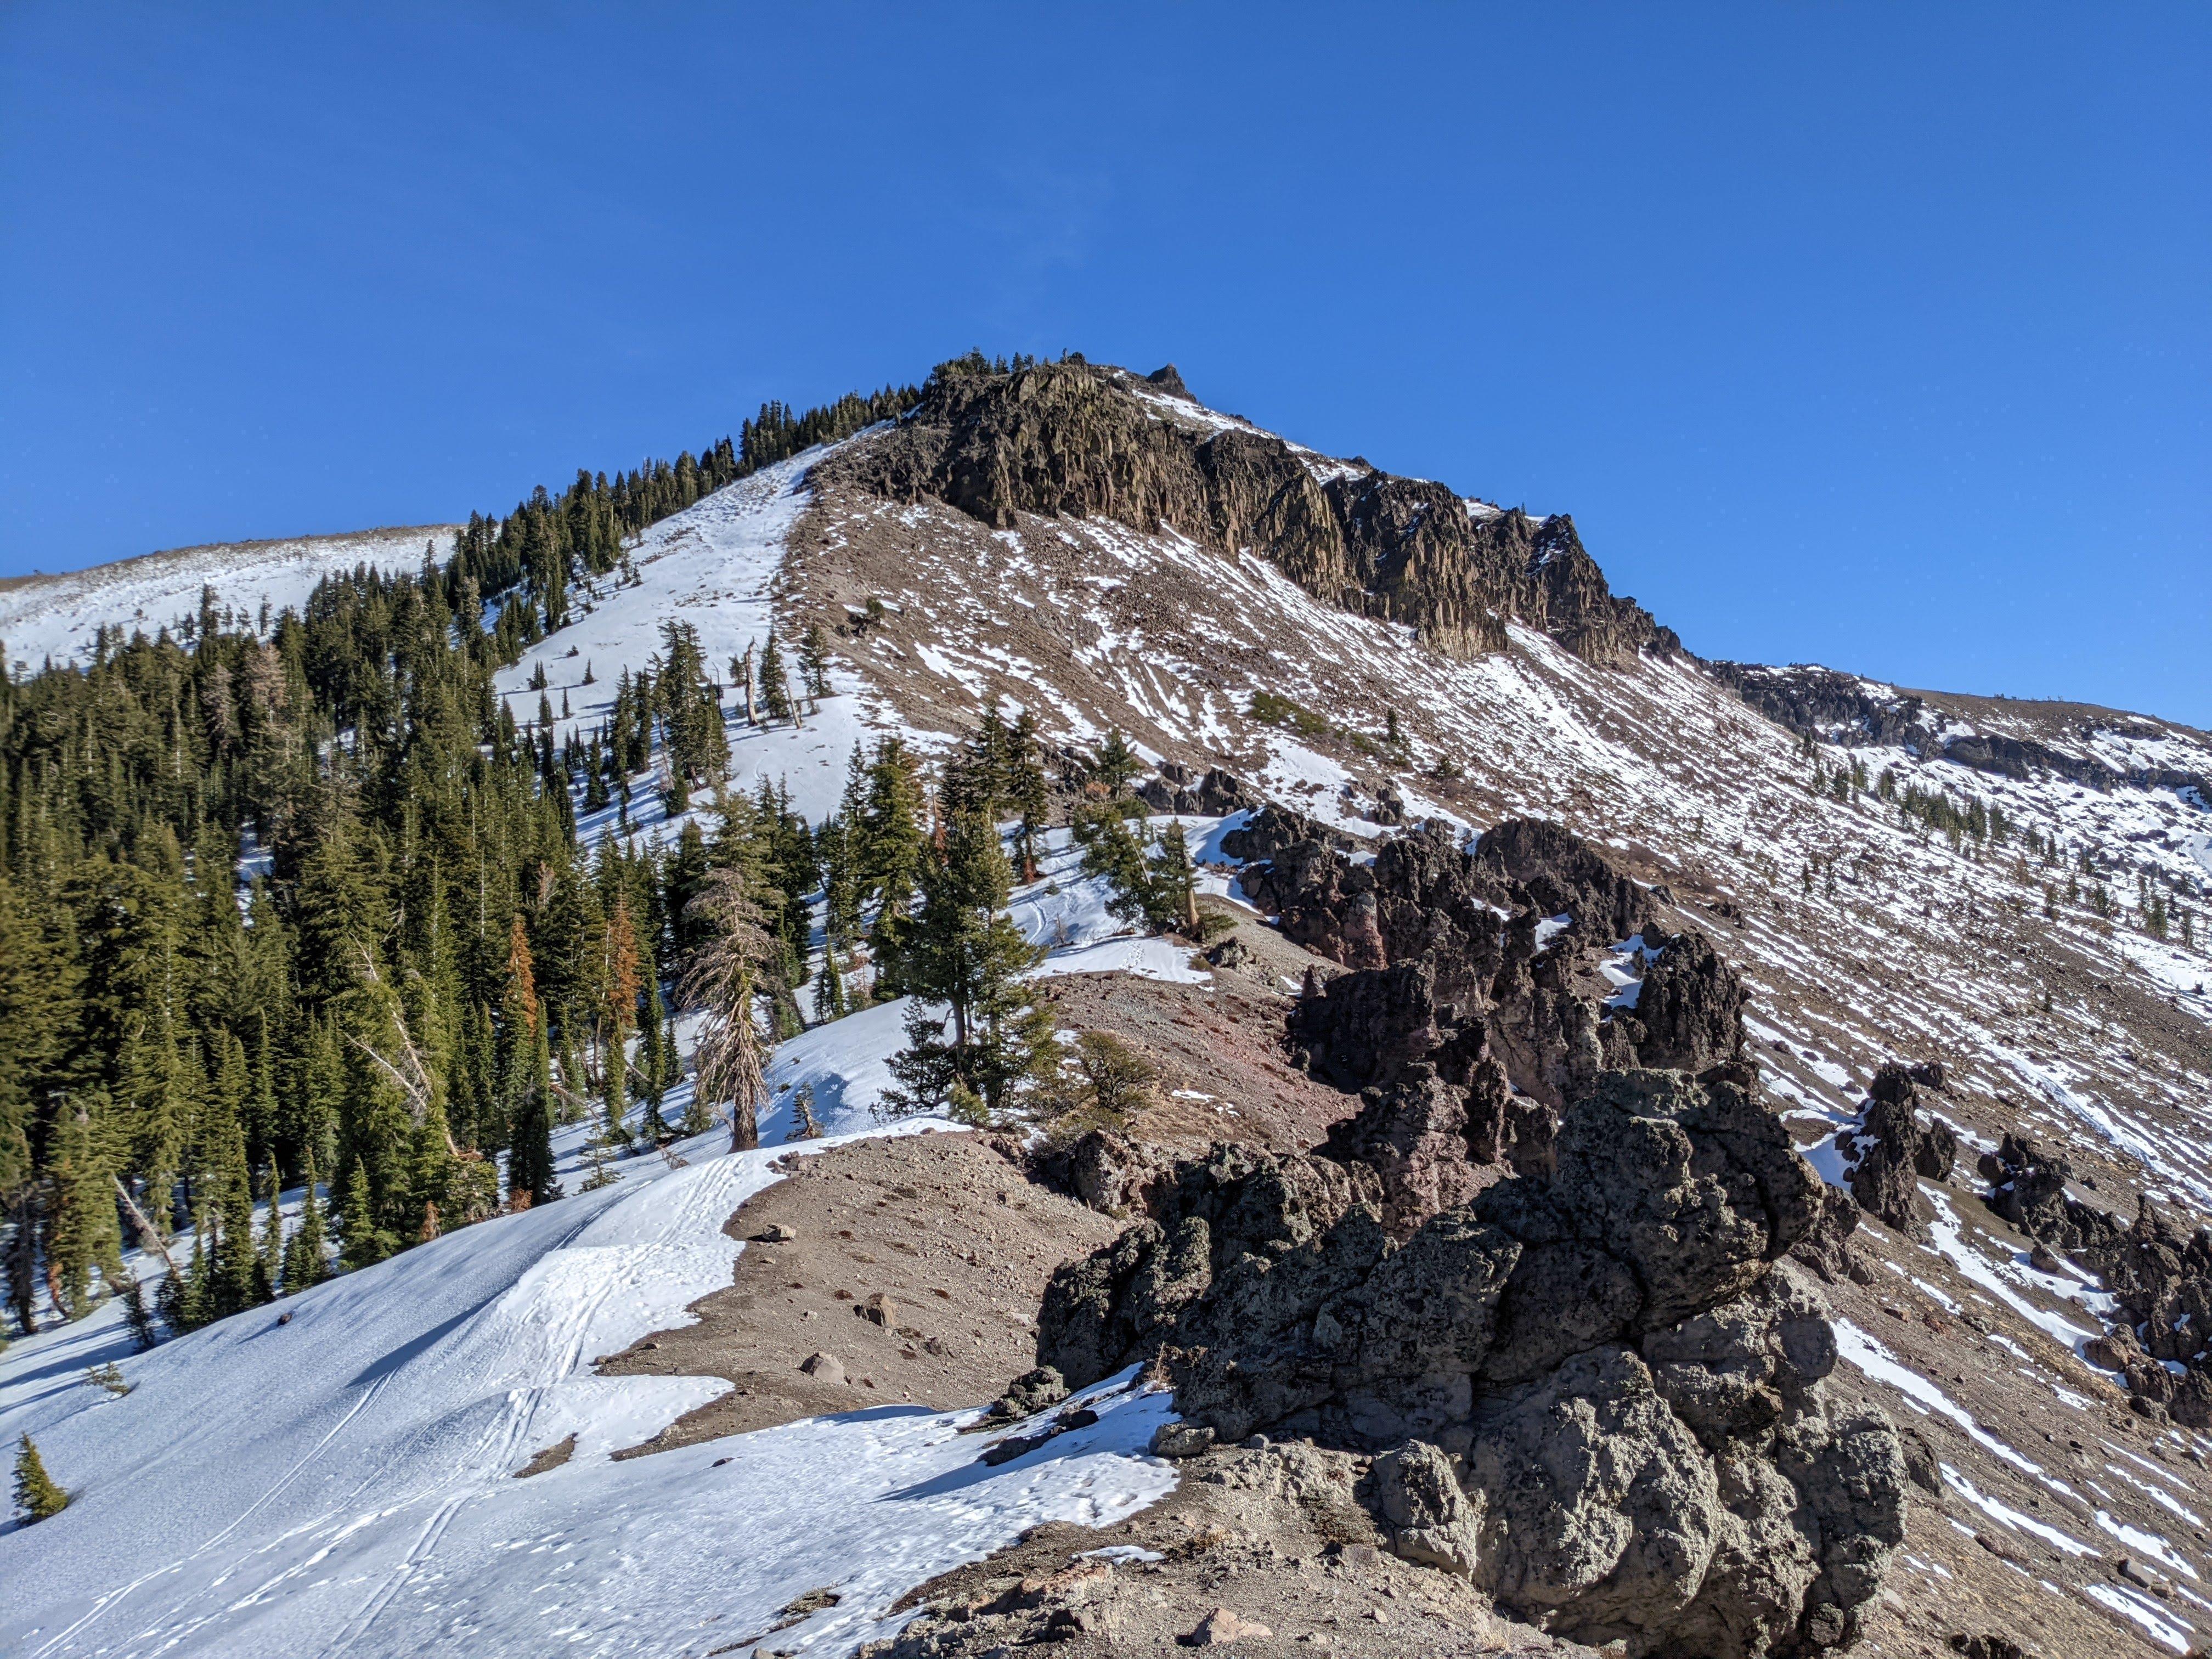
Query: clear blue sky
{"type": "Point", "coordinates": [1876, 335]}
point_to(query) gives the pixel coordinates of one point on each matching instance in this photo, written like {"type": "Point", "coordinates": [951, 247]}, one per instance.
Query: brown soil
{"type": "Point", "coordinates": [953, 1237]}
{"type": "Point", "coordinates": [1300, 1562]}
{"type": "Point", "coordinates": [1218, 1046]}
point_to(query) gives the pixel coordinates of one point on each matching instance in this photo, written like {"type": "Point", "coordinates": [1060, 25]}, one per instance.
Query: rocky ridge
{"type": "Point", "coordinates": [1084, 442]}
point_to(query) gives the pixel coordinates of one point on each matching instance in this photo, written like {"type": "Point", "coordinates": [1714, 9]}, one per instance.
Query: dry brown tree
{"type": "Point", "coordinates": [724, 976]}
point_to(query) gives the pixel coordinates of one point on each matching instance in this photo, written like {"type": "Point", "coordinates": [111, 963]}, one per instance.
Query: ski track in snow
{"type": "Point", "coordinates": [344, 1482]}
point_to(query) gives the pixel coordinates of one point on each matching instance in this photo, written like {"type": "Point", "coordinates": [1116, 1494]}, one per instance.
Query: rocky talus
{"type": "Point", "coordinates": [1596, 1392]}
{"type": "Point", "coordinates": [1090, 442]}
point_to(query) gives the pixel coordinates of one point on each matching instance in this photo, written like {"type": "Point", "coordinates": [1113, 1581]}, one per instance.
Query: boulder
{"type": "Point", "coordinates": [1416, 1494]}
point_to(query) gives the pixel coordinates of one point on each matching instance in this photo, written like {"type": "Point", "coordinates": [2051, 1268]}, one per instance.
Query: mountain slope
{"type": "Point", "coordinates": [1893, 876]}
{"type": "Point", "coordinates": [57, 617]}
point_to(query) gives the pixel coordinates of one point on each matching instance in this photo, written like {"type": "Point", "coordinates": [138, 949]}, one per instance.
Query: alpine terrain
{"type": "Point", "coordinates": [1015, 1012]}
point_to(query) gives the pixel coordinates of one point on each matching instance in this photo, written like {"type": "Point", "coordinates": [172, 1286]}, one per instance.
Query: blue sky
{"type": "Point", "coordinates": [1876, 335]}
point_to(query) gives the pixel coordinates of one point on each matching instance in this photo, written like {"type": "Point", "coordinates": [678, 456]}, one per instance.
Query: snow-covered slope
{"type": "Point", "coordinates": [56, 616]}
{"type": "Point", "coordinates": [335, 1473]}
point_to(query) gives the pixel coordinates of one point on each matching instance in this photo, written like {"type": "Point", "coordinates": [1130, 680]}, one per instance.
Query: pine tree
{"type": "Point", "coordinates": [1172, 888]}
{"type": "Point", "coordinates": [81, 1234]}
{"type": "Point", "coordinates": [360, 1244]}
{"type": "Point", "coordinates": [887, 857]}
{"type": "Point", "coordinates": [775, 693]}
{"type": "Point", "coordinates": [1116, 764]}
{"type": "Point", "coordinates": [139, 1317]}
{"type": "Point", "coordinates": [966, 957]}
{"type": "Point", "coordinates": [233, 1259]}
{"type": "Point", "coordinates": [37, 1497]}
{"type": "Point", "coordinates": [1113, 852]}
{"type": "Point", "coordinates": [1025, 790]}
{"type": "Point", "coordinates": [306, 1253]}
{"type": "Point", "coordinates": [526, 1081]}
{"type": "Point", "coordinates": [622, 989]}
{"type": "Point", "coordinates": [814, 661]}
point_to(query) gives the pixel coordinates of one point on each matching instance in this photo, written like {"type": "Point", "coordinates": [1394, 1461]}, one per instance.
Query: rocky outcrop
{"type": "Point", "coordinates": [1481, 964]}
{"type": "Point", "coordinates": [1894, 1150]}
{"type": "Point", "coordinates": [2162, 1278]}
{"type": "Point", "coordinates": [1176, 789]}
{"type": "Point", "coordinates": [1620, 1382]}
{"type": "Point", "coordinates": [1434, 1146]}
{"type": "Point", "coordinates": [1838, 708]}
{"type": "Point", "coordinates": [2028, 1184]}
{"type": "Point", "coordinates": [1085, 441]}
{"type": "Point", "coordinates": [1274, 827]}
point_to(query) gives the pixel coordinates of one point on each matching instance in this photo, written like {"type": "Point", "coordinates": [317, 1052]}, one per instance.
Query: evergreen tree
{"type": "Point", "coordinates": [1172, 888]}
{"type": "Point", "coordinates": [526, 1079]}
{"type": "Point", "coordinates": [814, 661]}
{"type": "Point", "coordinates": [80, 1210]}
{"type": "Point", "coordinates": [37, 1497]}
{"type": "Point", "coordinates": [965, 958]}
{"type": "Point", "coordinates": [1116, 764]}
{"type": "Point", "coordinates": [1024, 790]}
{"type": "Point", "coordinates": [306, 1253]}
{"type": "Point", "coordinates": [233, 1260]}
{"type": "Point", "coordinates": [1112, 850]}
{"type": "Point", "coordinates": [887, 856]}
{"type": "Point", "coordinates": [775, 691]}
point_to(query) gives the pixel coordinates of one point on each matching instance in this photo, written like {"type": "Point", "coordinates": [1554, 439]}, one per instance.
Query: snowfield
{"type": "Point", "coordinates": [56, 616]}
{"type": "Point", "coordinates": [335, 1473]}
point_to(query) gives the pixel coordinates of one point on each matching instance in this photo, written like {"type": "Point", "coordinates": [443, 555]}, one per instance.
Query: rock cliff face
{"type": "Point", "coordinates": [1842, 708]}
{"type": "Point", "coordinates": [1086, 441]}
{"type": "Point", "coordinates": [1596, 1392]}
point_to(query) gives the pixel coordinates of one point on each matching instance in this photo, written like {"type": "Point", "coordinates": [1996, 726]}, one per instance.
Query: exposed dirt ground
{"type": "Point", "coordinates": [1259, 1534]}
{"type": "Point", "coordinates": [1219, 1047]}
{"type": "Point", "coordinates": [952, 1238]}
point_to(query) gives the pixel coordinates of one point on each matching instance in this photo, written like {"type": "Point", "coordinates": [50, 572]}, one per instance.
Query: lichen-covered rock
{"type": "Point", "coordinates": [1416, 1494]}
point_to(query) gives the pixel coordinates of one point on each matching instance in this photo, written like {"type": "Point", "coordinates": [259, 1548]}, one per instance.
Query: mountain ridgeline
{"type": "Point", "coordinates": [1088, 440]}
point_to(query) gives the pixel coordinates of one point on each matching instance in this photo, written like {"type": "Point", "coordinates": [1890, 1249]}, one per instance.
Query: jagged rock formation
{"type": "Point", "coordinates": [1464, 966]}
{"type": "Point", "coordinates": [1895, 1151]}
{"type": "Point", "coordinates": [1176, 789]}
{"type": "Point", "coordinates": [1597, 1393]}
{"type": "Point", "coordinates": [2161, 1277]}
{"type": "Point", "coordinates": [1088, 441]}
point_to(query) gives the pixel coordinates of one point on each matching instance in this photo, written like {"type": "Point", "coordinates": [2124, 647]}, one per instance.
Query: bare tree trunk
{"type": "Point", "coordinates": [744, 1127]}
{"type": "Point", "coordinates": [147, 1236]}
{"type": "Point", "coordinates": [750, 718]}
